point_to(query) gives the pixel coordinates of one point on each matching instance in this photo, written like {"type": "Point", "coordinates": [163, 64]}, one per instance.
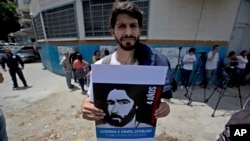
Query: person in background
{"type": "Point", "coordinates": [1, 78]}
{"type": "Point", "coordinates": [13, 62]}
{"type": "Point", "coordinates": [3, 133]}
{"type": "Point", "coordinates": [188, 62]}
{"type": "Point", "coordinates": [242, 62]}
{"type": "Point", "coordinates": [247, 71]}
{"type": "Point", "coordinates": [79, 66]}
{"type": "Point", "coordinates": [67, 68]}
{"type": "Point", "coordinates": [229, 64]}
{"type": "Point", "coordinates": [96, 56]}
{"type": "Point", "coordinates": [106, 52]}
{"type": "Point", "coordinates": [211, 65]}
{"type": "Point", "coordinates": [126, 27]}
{"type": "Point", "coordinates": [72, 58]}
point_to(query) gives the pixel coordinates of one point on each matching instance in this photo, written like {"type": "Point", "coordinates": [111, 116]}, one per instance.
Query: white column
{"type": "Point", "coordinates": [79, 18]}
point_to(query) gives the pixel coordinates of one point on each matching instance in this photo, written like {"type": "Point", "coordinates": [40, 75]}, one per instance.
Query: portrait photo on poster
{"type": "Point", "coordinates": [127, 105]}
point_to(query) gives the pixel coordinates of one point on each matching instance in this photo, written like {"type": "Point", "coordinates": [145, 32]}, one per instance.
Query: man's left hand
{"type": "Point", "coordinates": [163, 110]}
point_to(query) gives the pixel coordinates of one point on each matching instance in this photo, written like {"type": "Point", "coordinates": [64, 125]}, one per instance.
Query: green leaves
{"type": "Point", "coordinates": [8, 18]}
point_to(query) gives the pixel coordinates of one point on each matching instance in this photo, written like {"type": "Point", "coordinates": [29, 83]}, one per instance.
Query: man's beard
{"type": "Point", "coordinates": [122, 120]}
{"type": "Point", "coordinates": [128, 46]}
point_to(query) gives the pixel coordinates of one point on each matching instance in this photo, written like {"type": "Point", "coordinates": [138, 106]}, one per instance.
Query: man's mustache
{"type": "Point", "coordinates": [128, 37]}
{"type": "Point", "coordinates": [115, 116]}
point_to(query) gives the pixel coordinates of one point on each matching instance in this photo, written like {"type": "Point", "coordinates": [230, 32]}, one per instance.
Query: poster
{"type": "Point", "coordinates": [110, 48]}
{"type": "Point", "coordinates": [62, 49]}
{"type": "Point", "coordinates": [129, 96]}
{"type": "Point", "coordinates": [172, 53]}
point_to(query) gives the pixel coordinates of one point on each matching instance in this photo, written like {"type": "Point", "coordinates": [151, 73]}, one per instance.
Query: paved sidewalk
{"type": "Point", "coordinates": [48, 92]}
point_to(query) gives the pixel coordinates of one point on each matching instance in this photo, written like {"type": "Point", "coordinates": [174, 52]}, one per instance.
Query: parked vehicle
{"type": "Point", "coordinates": [25, 56]}
{"type": "Point", "coordinates": [27, 53]}
{"type": "Point", "coordinates": [31, 49]}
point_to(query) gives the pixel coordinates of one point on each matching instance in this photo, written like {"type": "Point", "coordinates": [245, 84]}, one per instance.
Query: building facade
{"type": "Point", "coordinates": [170, 26]}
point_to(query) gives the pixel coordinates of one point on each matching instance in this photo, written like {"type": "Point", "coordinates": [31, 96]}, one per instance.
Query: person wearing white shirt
{"type": "Point", "coordinates": [211, 65]}
{"type": "Point", "coordinates": [126, 27]}
{"type": "Point", "coordinates": [188, 61]}
{"type": "Point", "coordinates": [242, 61]}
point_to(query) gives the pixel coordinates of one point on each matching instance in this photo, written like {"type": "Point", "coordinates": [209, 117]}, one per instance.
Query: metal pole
{"type": "Point", "coordinates": [34, 26]}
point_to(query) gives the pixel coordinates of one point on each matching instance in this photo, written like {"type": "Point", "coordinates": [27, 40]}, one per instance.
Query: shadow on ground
{"type": "Point", "coordinates": [229, 102]}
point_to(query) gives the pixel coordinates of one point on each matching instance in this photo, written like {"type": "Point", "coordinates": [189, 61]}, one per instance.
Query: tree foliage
{"type": "Point", "coordinates": [8, 19]}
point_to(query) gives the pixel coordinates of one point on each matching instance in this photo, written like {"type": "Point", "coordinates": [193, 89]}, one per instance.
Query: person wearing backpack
{"type": "Point", "coordinates": [126, 28]}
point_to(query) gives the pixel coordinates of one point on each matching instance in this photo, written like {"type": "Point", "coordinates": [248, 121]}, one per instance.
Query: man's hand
{"type": "Point", "coordinates": [163, 110]}
{"type": "Point", "coordinates": [90, 112]}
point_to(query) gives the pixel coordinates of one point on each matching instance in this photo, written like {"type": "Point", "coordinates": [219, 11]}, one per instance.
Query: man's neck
{"type": "Point", "coordinates": [125, 57]}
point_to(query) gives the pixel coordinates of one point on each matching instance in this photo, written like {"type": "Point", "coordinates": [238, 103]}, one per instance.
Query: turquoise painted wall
{"type": "Point", "coordinates": [50, 55]}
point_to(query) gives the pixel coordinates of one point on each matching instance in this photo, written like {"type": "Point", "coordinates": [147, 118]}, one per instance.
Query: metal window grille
{"type": "Point", "coordinates": [60, 22]}
{"type": "Point", "coordinates": [97, 14]}
{"type": "Point", "coordinates": [38, 27]}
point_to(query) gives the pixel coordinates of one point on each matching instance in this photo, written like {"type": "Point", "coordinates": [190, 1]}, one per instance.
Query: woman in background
{"type": "Point", "coordinates": [242, 62]}
{"type": "Point", "coordinates": [79, 65]}
{"type": "Point", "coordinates": [96, 56]}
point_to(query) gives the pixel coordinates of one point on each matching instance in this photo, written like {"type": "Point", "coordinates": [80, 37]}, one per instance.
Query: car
{"type": "Point", "coordinates": [26, 56]}
{"type": "Point", "coordinates": [31, 49]}
{"type": "Point", "coordinates": [13, 44]}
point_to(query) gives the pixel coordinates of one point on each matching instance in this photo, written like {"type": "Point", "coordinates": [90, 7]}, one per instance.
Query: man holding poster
{"type": "Point", "coordinates": [126, 27]}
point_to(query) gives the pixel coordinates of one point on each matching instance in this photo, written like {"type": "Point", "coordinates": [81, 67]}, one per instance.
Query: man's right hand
{"type": "Point", "coordinates": [90, 112]}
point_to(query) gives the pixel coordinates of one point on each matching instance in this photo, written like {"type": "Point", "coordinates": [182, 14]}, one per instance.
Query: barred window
{"type": "Point", "coordinates": [97, 14]}
{"type": "Point", "coordinates": [38, 27]}
{"type": "Point", "coordinates": [60, 22]}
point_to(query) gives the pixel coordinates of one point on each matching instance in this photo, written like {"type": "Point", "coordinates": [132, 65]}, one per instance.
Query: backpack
{"type": "Point", "coordinates": [241, 118]}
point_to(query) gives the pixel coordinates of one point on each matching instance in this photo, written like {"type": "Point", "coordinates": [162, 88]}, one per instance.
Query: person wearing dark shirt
{"type": "Point", "coordinates": [13, 62]}
{"type": "Point", "coordinates": [72, 58]}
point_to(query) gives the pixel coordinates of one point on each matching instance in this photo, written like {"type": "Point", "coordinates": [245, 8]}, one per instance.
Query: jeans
{"type": "Point", "coordinates": [240, 76]}
{"type": "Point", "coordinates": [186, 76]}
{"type": "Point", "coordinates": [68, 76]}
{"type": "Point", "coordinates": [81, 82]}
{"type": "Point", "coordinates": [208, 75]}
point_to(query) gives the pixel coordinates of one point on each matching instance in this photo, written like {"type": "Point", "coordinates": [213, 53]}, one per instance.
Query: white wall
{"type": "Point", "coordinates": [34, 7]}
{"type": "Point", "coordinates": [21, 5]}
{"type": "Point", "coordinates": [241, 31]}
{"type": "Point", "coordinates": [182, 19]}
{"type": "Point", "coordinates": [40, 5]}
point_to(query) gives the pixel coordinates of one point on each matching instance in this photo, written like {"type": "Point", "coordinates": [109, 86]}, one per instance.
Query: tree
{"type": "Point", "coordinates": [8, 19]}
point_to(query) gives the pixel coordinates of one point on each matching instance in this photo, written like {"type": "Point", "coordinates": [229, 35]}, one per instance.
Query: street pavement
{"type": "Point", "coordinates": [185, 122]}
